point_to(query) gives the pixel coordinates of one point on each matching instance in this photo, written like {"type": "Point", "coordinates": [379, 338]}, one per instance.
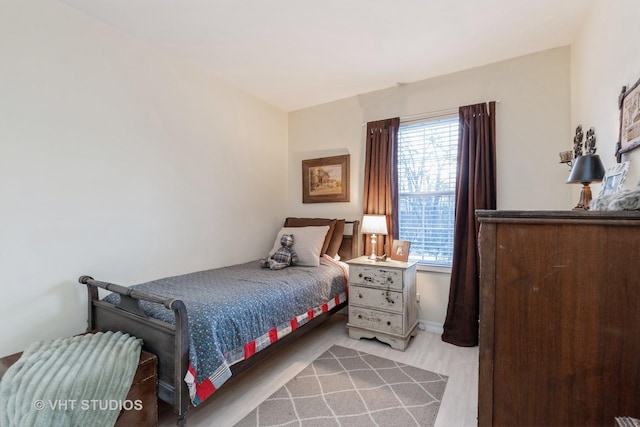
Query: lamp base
{"type": "Point", "coordinates": [373, 248]}
{"type": "Point", "coordinates": [585, 198]}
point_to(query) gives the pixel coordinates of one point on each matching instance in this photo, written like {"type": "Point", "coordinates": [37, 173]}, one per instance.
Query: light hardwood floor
{"type": "Point", "coordinates": [237, 398]}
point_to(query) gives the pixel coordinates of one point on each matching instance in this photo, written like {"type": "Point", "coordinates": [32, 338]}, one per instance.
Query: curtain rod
{"type": "Point", "coordinates": [429, 114]}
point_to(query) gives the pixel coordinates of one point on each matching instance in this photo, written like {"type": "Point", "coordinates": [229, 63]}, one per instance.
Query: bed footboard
{"type": "Point", "coordinates": [170, 343]}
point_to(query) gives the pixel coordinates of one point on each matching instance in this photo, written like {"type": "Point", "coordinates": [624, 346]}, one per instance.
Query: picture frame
{"type": "Point", "coordinates": [629, 134]}
{"type": "Point", "coordinates": [325, 179]}
{"type": "Point", "coordinates": [400, 250]}
{"type": "Point", "coordinates": [613, 179]}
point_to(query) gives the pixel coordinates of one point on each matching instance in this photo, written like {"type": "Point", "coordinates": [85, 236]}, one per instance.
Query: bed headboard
{"type": "Point", "coordinates": [350, 240]}
{"type": "Point", "coordinates": [349, 243]}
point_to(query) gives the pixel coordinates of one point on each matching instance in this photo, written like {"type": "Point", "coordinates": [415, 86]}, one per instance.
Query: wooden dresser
{"type": "Point", "coordinates": [382, 301]}
{"type": "Point", "coordinates": [559, 318]}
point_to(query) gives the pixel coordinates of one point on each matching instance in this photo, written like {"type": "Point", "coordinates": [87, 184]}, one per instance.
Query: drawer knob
{"type": "Point", "coordinates": [359, 316]}
{"type": "Point", "coordinates": [360, 275]}
{"type": "Point", "coordinates": [359, 295]}
{"type": "Point", "coordinates": [388, 297]}
{"type": "Point", "coordinates": [388, 323]}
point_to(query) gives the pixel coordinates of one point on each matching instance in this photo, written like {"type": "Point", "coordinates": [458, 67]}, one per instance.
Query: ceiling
{"type": "Point", "coordinates": [299, 53]}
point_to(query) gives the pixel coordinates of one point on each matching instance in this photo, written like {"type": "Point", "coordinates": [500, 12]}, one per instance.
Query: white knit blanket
{"type": "Point", "coordinates": [77, 381]}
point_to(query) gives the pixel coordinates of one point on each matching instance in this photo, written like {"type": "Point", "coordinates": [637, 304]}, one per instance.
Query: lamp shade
{"type": "Point", "coordinates": [588, 168]}
{"type": "Point", "coordinates": [374, 224]}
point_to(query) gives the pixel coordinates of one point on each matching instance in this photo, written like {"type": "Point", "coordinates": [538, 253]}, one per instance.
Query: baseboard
{"type": "Point", "coordinates": [434, 327]}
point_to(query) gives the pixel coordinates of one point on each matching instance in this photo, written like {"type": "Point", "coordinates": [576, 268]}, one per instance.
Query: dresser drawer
{"type": "Point", "coordinates": [376, 298]}
{"type": "Point", "coordinates": [375, 276]}
{"type": "Point", "coordinates": [375, 320]}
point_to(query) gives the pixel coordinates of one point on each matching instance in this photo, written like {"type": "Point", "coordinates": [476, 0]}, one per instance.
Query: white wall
{"type": "Point", "coordinates": [533, 126]}
{"type": "Point", "coordinates": [116, 161]}
{"type": "Point", "coordinates": [119, 163]}
{"type": "Point", "coordinates": [604, 57]}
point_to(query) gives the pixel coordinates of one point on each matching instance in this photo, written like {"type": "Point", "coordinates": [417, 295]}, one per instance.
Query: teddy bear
{"type": "Point", "coordinates": [283, 257]}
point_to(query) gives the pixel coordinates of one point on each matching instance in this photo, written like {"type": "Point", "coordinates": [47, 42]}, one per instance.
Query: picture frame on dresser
{"type": "Point", "coordinates": [614, 178]}
{"type": "Point", "coordinates": [400, 250]}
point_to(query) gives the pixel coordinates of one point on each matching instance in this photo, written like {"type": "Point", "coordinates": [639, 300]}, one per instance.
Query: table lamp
{"type": "Point", "coordinates": [586, 169]}
{"type": "Point", "coordinates": [374, 224]}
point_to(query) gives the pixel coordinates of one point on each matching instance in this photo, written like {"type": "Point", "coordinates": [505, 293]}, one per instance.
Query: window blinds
{"type": "Point", "coordinates": [427, 167]}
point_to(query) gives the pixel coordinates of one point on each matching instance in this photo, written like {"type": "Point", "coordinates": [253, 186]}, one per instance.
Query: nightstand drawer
{"type": "Point", "coordinates": [375, 276]}
{"type": "Point", "coordinates": [375, 320]}
{"type": "Point", "coordinates": [376, 298]}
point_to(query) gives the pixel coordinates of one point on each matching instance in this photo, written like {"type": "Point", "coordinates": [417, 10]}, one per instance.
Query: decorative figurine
{"type": "Point", "coordinates": [577, 142]}
{"type": "Point", "coordinates": [590, 144]}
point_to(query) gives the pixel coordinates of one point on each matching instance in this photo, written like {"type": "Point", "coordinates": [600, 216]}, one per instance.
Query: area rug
{"type": "Point", "coordinates": [346, 387]}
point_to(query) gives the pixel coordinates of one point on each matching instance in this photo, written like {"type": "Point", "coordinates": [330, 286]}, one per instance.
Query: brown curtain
{"type": "Point", "coordinates": [381, 179]}
{"type": "Point", "coordinates": [475, 189]}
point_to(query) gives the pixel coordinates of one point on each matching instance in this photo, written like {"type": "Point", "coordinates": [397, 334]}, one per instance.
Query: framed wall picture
{"type": "Point", "coordinates": [325, 179]}
{"type": "Point", "coordinates": [629, 103]}
{"type": "Point", "coordinates": [400, 250]}
{"type": "Point", "coordinates": [613, 179]}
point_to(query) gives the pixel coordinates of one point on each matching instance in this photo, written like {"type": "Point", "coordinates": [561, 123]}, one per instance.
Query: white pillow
{"type": "Point", "coordinates": [307, 242]}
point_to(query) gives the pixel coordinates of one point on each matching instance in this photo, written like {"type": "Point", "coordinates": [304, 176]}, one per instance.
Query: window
{"type": "Point", "coordinates": [427, 167]}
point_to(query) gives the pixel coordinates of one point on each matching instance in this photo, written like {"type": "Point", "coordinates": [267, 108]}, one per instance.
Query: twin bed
{"type": "Point", "coordinates": [206, 326]}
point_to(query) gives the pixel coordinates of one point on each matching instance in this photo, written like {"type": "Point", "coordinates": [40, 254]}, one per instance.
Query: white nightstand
{"type": "Point", "coordinates": [382, 301]}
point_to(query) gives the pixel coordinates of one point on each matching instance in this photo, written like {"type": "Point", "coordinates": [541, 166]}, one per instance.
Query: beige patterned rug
{"type": "Point", "coordinates": [345, 387]}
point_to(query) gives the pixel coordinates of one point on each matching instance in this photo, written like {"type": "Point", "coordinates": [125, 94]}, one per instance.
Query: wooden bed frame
{"type": "Point", "coordinates": [170, 343]}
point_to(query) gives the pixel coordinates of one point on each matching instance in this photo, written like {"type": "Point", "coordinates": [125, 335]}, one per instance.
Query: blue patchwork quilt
{"type": "Point", "coordinates": [238, 310]}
